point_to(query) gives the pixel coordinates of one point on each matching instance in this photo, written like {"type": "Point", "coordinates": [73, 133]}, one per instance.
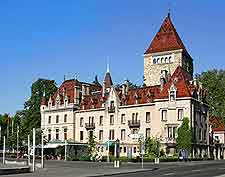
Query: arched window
{"type": "Point", "coordinates": [169, 59]}
{"type": "Point", "coordinates": [158, 60]}
{"type": "Point", "coordinates": [162, 60]}
{"type": "Point", "coordinates": [166, 60]}
{"type": "Point", "coordinates": [154, 61]}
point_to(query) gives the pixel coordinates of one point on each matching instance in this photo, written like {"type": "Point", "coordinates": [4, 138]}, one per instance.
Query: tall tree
{"type": "Point", "coordinates": [30, 116]}
{"type": "Point", "coordinates": [184, 138]}
{"type": "Point", "coordinates": [214, 81]}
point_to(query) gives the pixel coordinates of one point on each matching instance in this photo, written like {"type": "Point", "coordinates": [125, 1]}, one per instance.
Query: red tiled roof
{"type": "Point", "coordinates": [217, 123]}
{"type": "Point", "coordinates": [92, 102]}
{"type": "Point", "coordinates": [166, 39]}
{"type": "Point", "coordinates": [140, 95]}
{"type": "Point", "coordinates": [68, 89]}
{"type": "Point", "coordinates": [180, 79]}
{"type": "Point", "coordinates": [134, 96]}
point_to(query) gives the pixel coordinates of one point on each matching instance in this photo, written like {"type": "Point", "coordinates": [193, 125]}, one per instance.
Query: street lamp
{"type": "Point", "coordinates": [117, 153]}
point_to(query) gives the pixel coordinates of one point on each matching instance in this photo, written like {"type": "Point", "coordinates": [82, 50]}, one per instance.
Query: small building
{"type": "Point", "coordinates": [217, 137]}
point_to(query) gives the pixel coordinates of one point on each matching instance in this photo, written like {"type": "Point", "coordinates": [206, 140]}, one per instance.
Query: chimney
{"type": "Point", "coordinates": [125, 87]}
{"type": "Point", "coordinates": [163, 78]}
{"type": "Point", "coordinates": [162, 83]}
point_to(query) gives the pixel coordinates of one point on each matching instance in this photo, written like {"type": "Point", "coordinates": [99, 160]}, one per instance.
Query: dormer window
{"type": "Point", "coordinates": [111, 104]}
{"type": "Point", "coordinates": [172, 93]}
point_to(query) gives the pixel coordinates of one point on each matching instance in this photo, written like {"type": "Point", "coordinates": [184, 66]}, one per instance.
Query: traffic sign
{"type": "Point", "coordinates": [135, 136]}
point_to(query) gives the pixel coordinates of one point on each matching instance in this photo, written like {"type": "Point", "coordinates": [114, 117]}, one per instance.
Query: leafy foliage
{"type": "Point", "coordinates": [91, 144]}
{"type": "Point", "coordinates": [184, 137]}
{"type": "Point", "coordinates": [214, 81]}
{"type": "Point", "coordinates": [29, 117]}
{"type": "Point", "coordinates": [152, 147]}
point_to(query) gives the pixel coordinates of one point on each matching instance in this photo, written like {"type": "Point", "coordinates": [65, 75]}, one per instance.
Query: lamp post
{"type": "Point", "coordinates": [117, 153]}
{"type": "Point", "coordinates": [28, 144]}
{"type": "Point", "coordinates": [42, 150]}
{"type": "Point", "coordinates": [65, 150]}
{"type": "Point", "coordinates": [33, 149]}
{"type": "Point", "coordinates": [108, 151]}
{"type": "Point", "coordinates": [3, 159]}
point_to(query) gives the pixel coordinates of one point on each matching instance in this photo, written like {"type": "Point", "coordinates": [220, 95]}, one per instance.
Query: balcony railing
{"type": "Point", "coordinates": [134, 123]}
{"type": "Point", "coordinates": [89, 126]}
{"type": "Point", "coordinates": [111, 109]}
{"type": "Point", "coordinates": [170, 140]}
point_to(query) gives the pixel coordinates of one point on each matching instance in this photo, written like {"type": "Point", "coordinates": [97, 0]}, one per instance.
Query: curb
{"type": "Point", "coordinates": [15, 170]}
{"type": "Point", "coordinates": [123, 173]}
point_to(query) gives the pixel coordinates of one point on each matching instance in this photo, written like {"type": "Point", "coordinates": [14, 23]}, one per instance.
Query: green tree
{"type": "Point", "coordinates": [184, 138]}
{"type": "Point", "coordinates": [213, 81]}
{"type": "Point", "coordinates": [91, 145]}
{"type": "Point", "coordinates": [152, 147]}
{"type": "Point", "coordinates": [30, 116]}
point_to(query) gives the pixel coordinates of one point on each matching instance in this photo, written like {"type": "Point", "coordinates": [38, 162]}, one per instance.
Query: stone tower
{"type": "Point", "coordinates": [165, 53]}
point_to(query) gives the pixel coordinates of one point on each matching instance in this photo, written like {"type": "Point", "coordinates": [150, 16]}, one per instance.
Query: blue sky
{"type": "Point", "coordinates": [50, 39]}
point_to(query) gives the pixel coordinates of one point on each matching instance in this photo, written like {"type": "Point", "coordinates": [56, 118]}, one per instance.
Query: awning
{"type": "Point", "coordinates": [53, 145]}
{"type": "Point", "coordinates": [110, 142]}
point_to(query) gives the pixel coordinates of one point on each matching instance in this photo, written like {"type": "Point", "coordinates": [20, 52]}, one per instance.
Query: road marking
{"type": "Point", "coordinates": [168, 174]}
{"type": "Point", "coordinates": [195, 170]}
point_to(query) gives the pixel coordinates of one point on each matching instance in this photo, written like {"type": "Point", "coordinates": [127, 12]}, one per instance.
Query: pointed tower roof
{"type": "Point", "coordinates": [108, 80]}
{"type": "Point", "coordinates": [166, 38]}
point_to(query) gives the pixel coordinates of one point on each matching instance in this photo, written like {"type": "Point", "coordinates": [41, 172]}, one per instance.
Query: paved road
{"type": "Point", "coordinates": [193, 169]}
{"type": "Point", "coordinates": [174, 169]}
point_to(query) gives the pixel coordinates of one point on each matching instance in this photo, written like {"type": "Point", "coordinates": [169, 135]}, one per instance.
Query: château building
{"type": "Point", "coordinates": [169, 94]}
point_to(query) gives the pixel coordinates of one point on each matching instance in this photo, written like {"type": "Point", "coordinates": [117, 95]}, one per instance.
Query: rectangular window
{"type": "Point", "coordinates": [164, 115]}
{"type": "Point", "coordinates": [65, 133]}
{"type": "Point", "coordinates": [111, 120]}
{"type": "Point", "coordinates": [101, 120]}
{"type": "Point", "coordinates": [135, 149]}
{"type": "Point", "coordinates": [49, 135]}
{"type": "Point", "coordinates": [172, 95]}
{"type": "Point", "coordinates": [134, 117]}
{"type": "Point", "coordinates": [91, 120]}
{"type": "Point", "coordinates": [148, 133]}
{"type": "Point", "coordinates": [57, 119]}
{"type": "Point", "coordinates": [124, 149]}
{"type": "Point", "coordinates": [148, 117]}
{"type": "Point", "coordinates": [91, 134]}
{"type": "Point", "coordinates": [81, 135]}
{"type": "Point", "coordinates": [65, 118]}
{"type": "Point", "coordinates": [180, 114]}
{"type": "Point", "coordinates": [122, 118]}
{"type": "Point", "coordinates": [200, 134]}
{"type": "Point", "coordinates": [123, 134]}
{"type": "Point", "coordinates": [81, 122]}
{"type": "Point", "coordinates": [100, 135]}
{"type": "Point", "coordinates": [111, 134]}
{"type": "Point", "coordinates": [57, 134]}
{"type": "Point", "coordinates": [134, 131]}
{"type": "Point", "coordinates": [170, 132]}
{"type": "Point", "coordinates": [49, 119]}
{"type": "Point", "coordinates": [174, 132]}
{"type": "Point", "coordinates": [112, 104]}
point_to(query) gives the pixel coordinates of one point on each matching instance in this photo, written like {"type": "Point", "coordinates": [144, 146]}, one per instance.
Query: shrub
{"type": "Point", "coordinates": [84, 157]}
